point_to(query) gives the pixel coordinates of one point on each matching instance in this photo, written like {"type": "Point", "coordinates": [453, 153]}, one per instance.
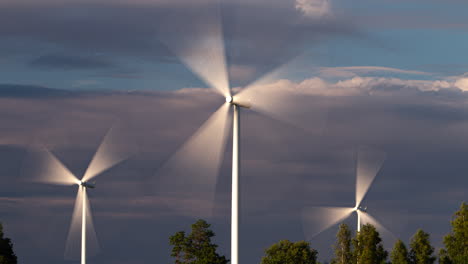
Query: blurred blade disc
{"type": "Point", "coordinates": [368, 165]}
{"type": "Point", "coordinates": [73, 244]}
{"type": "Point", "coordinates": [112, 151]}
{"type": "Point", "coordinates": [42, 166]}
{"type": "Point", "coordinates": [283, 100]}
{"type": "Point", "coordinates": [318, 219]}
{"type": "Point", "coordinates": [187, 181]}
{"type": "Point", "coordinates": [199, 43]}
{"type": "Point", "coordinates": [366, 218]}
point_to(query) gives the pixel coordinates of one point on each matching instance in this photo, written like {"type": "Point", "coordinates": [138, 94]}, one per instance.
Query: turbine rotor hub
{"type": "Point", "coordinates": [87, 184]}
{"type": "Point", "coordinates": [231, 100]}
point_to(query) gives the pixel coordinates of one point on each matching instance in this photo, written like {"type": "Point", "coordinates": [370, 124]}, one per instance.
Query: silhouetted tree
{"type": "Point", "coordinates": [343, 254]}
{"type": "Point", "coordinates": [196, 248]}
{"type": "Point", "coordinates": [287, 252]}
{"type": "Point", "coordinates": [456, 243]}
{"type": "Point", "coordinates": [421, 249]}
{"type": "Point", "coordinates": [399, 253]}
{"type": "Point", "coordinates": [368, 248]}
{"type": "Point", "coordinates": [7, 256]}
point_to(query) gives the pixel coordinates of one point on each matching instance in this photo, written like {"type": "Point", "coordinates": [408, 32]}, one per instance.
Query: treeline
{"type": "Point", "coordinates": [365, 247]}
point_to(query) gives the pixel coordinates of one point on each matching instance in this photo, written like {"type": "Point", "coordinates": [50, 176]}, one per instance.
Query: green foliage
{"type": "Point", "coordinates": [343, 254]}
{"type": "Point", "coordinates": [444, 258]}
{"type": "Point", "coordinates": [196, 248]}
{"type": "Point", "coordinates": [456, 243]}
{"type": "Point", "coordinates": [368, 248]}
{"type": "Point", "coordinates": [7, 256]}
{"type": "Point", "coordinates": [399, 253]}
{"type": "Point", "coordinates": [287, 252]}
{"type": "Point", "coordinates": [421, 249]}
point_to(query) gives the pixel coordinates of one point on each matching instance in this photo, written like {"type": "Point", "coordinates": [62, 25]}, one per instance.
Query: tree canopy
{"type": "Point", "coordinates": [7, 256]}
{"type": "Point", "coordinates": [421, 249]}
{"type": "Point", "coordinates": [196, 247]}
{"type": "Point", "coordinates": [456, 242]}
{"type": "Point", "coordinates": [287, 252]}
{"type": "Point", "coordinates": [399, 253]}
{"type": "Point", "coordinates": [343, 254]}
{"type": "Point", "coordinates": [368, 247]}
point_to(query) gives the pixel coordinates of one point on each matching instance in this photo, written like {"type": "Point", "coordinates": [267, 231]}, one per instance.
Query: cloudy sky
{"type": "Point", "coordinates": [329, 78]}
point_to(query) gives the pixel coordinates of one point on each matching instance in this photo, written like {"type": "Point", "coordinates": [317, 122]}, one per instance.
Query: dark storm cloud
{"type": "Point", "coordinates": [67, 62]}
{"type": "Point", "coordinates": [284, 169]}
{"type": "Point", "coordinates": [279, 30]}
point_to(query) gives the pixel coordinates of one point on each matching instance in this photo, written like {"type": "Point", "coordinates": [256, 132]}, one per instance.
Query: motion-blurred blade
{"type": "Point", "coordinates": [112, 151]}
{"type": "Point", "coordinates": [199, 43]}
{"type": "Point", "coordinates": [368, 165]}
{"type": "Point", "coordinates": [366, 218]}
{"type": "Point", "coordinates": [188, 179]}
{"type": "Point", "coordinates": [73, 245]}
{"type": "Point", "coordinates": [42, 166]}
{"type": "Point", "coordinates": [318, 219]}
{"type": "Point", "coordinates": [283, 100]}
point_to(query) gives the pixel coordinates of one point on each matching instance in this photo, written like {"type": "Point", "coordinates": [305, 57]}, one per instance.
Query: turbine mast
{"type": "Point", "coordinates": [358, 221]}
{"type": "Point", "coordinates": [235, 188]}
{"type": "Point", "coordinates": [83, 226]}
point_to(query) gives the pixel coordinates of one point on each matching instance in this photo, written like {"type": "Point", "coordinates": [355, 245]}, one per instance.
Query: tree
{"type": "Point", "coordinates": [399, 253]}
{"type": "Point", "coordinates": [368, 248]}
{"type": "Point", "coordinates": [443, 257]}
{"type": "Point", "coordinates": [287, 252]}
{"type": "Point", "coordinates": [196, 248]}
{"type": "Point", "coordinates": [7, 256]}
{"type": "Point", "coordinates": [342, 246]}
{"type": "Point", "coordinates": [456, 243]}
{"type": "Point", "coordinates": [421, 249]}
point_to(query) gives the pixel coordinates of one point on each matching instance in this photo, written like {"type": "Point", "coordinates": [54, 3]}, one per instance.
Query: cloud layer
{"type": "Point", "coordinates": [419, 124]}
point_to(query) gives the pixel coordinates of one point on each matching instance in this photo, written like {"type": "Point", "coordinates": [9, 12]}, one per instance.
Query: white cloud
{"type": "Point", "coordinates": [462, 84]}
{"type": "Point", "coordinates": [355, 70]}
{"type": "Point", "coordinates": [358, 85]}
{"type": "Point", "coordinates": [313, 8]}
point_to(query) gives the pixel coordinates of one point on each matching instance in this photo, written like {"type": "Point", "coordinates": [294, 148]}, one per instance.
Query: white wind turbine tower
{"type": "Point", "coordinates": [318, 219]}
{"type": "Point", "coordinates": [44, 167]}
{"type": "Point", "coordinates": [187, 181]}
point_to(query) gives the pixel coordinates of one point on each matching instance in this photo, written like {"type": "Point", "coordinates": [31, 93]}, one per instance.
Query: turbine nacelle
{"type": "Point", "coordinates": [360, 208]}
{"type": "Point", "coordinates": [87, 184]}
{"type": "Point", "coordinates": [233, 101]}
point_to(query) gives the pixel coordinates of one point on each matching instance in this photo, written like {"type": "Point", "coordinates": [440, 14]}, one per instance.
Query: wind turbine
{"type": "Point", "coordinates": [45, 167]}
{"type": "Point", "coordinates": [187, 181]}
{"type": "Point", "coordinates": [318, 219]}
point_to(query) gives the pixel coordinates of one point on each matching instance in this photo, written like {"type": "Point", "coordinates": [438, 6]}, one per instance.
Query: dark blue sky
{"type": "Point", "coordinates": [390, 75]}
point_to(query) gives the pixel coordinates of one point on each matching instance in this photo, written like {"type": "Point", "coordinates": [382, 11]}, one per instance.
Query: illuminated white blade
{"type": "Point", "coordinates": [199, 44]}
{"type": "Point", "coordinates": [112, 151]}
{"type": "Point", "coordinates": [41, 165]}
{"type": "Point", "coordinates": [366, 218]}
{"type": "Point", "coordinates": [368, 165]}
{"type": "Point", "coordinates": [318, 219]}
{"type": "Point", "coordinates": [280, 99]}
{"type": "Point", "coordinates": [73, 244]}
{"type": "Point", "coordinates": [188, 179]}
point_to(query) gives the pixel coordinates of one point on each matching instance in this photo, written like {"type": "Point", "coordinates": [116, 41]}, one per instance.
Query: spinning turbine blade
{"type": "Point", "coordinates": [366, 218]}
{"type": "Point", "coordinates": [74, 239]}
{"type": "Point", "coordinates": [43, 166]}
{"type": "Point", "coordinates": [368, 165]}
{"type": "Point", "coordinates": [199, 44]}
{"type": "Point", "coordinates": [278, 98]}
{"type": "Point", "coordinates": [109, 154]}
{"type": "Point", "coordinates": [317, 219]}
{"type": "Point", "coordinates": [188, 179]}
